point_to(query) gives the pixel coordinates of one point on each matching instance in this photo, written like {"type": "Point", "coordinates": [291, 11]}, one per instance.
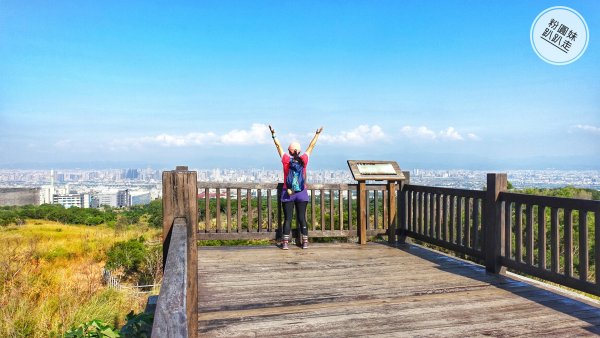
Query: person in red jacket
{"type": "Point", "coordinates": [295, 195]}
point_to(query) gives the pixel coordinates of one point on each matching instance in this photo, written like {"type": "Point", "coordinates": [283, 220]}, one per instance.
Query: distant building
{"type": "Point", "coordinates": [20, 196]}
{"type": "Point", "coordinates": [123, 198]}
{"type": "Point", "coordinates": [73, 200]}
{"type": "Point", "coordinates": [113, 198]}
{"type": "Point", "coordinates": [139, 197]}
{"type": "Point", "coordinates": [107, 199]}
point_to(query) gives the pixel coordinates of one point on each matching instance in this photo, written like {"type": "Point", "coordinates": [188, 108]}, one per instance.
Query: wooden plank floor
{"type": "Point", "coordinates": [346, 290]}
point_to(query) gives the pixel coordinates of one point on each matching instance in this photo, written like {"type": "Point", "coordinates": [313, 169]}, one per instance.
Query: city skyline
{"type": "Point", "coordinates": [452, 85]}
{"type": "Point", "coordinates": [149, 178]}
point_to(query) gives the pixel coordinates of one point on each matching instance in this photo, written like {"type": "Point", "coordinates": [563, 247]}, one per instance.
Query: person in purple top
{"type": "Point", "coordinates": [289, 197]}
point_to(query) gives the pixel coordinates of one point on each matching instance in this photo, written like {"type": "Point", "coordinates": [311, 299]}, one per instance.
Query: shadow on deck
{"type": "Point", "coordinates": [375, 289]}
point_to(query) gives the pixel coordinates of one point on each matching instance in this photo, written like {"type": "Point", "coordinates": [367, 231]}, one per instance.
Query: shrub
{"type": "Point", "coordinates": [127, 256]}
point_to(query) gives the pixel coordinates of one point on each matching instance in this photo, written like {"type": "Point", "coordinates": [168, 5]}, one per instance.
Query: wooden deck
{"type": "Point", "coordinates": [374, 290]}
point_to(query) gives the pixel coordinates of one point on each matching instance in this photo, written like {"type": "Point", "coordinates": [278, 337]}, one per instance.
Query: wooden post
{"type": "Point", "coordinates": [180, 201]}
{"type": "Point", "coordinates": [402, 216]}
{"type": "Point", "coordinates": [494, 222]}
{"type": "Point", "coordinates": [391, 202]}
{"type": "Point", "coordinates": [362, 212]}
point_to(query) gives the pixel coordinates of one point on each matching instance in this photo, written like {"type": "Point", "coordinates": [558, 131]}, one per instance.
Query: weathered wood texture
{"type": "Point", "coordinates": [180, 212]}
{"type": "Point", "coordinates": [339, 290]}
{"type": "Point", "coordinates": [171, 317]}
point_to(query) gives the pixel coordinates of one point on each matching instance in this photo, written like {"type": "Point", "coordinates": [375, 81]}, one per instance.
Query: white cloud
{"type": "Point", "coordinates": [258, 134]}
{"type": "Point", "coordinates": [450, 134]}
{"type": "Point", "coordinates": [585, 128]}
{"type": "Point", "coordinates": [358, 135]}
{"type": "Point", "coordinates": [418, 132]}
{"type": "Point", "coordinates": [168, 140]}
{"type": "Point", "coordinates": [424, 133]}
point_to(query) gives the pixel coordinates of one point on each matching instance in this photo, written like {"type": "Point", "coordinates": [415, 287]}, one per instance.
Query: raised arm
{"type": "Point", "coordinates": [277, 144]}
{"type": "Point", "coordinates": [313, 141]}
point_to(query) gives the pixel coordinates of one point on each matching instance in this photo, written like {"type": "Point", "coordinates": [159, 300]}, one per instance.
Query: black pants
{"type": "Point", "coordinates": [288, 212]}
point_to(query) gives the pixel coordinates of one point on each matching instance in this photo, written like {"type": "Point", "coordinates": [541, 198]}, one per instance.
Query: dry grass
{"type": "Point", "coordinates": [51, 277]}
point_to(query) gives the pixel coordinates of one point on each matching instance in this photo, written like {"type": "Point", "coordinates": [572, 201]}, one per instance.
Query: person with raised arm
{"type": "Point", "coordinates": [294, 194]}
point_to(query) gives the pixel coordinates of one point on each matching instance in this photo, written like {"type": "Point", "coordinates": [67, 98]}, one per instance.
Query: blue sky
{"type": "Point", "coordinates": [431, 84]}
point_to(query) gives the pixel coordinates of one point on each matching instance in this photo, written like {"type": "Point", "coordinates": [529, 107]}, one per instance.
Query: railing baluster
{"type": "Point", "coordinates": [569, 242]}
{"type": "Point", "coordinates": [341, 209]}
{"type": "Point", "coordinates": [518, 232]}
{"type": "Point", "coordinates": [583, 246]}
{"type": "Point", "coordinates": [452, 220]}
{"type": "Point", "coordinates": [415, 210]}
{"type": "Point", "coordinates": [542, 236]}
{"type": "Point", "coordinates": [368, 211]}
{"type": "Point", "coordinates": [259, 208]}
{"type": "Point", "coordinates": [508, 229]}
{"type": "Point", "coordinates": [269, 211]}
{"type": "Point", "coordinates": [322, 196]}
{"type": "Point", "coordinates": [432, 206]}
{"type": "Point", "coordinates": [402, 206]}
{"type": "Point", "coordinates": [228, 192]}
{"type": "Point", "coordinates": [438, 216]}
{"type": "Point", "coordinates": [529, 233]}
{"type": "Point", "coordinates": [419, 211]}
{"type": "Point", "coordinates": [476, 222]}
{"type": "Point", "coordinates": [218, 211]}
{"type": "Point", "coordinates": [422, 213]}
{"type": "Point", "coordinates": [554, 239]}
{"type": "Point", "coordinates": [375, 209]}
{"type": "Point", "coordinates": [408, 215]}
{"type": "Point", "coordinates": [467, 222]}
{"type": "Point", "coordinates": [313, 211]}
{"type": "Point", "coordinates": [349, 209]}
{"type": "Point", "coordinates": [426, 220]}
{"type": "Point", "coordinates": [239, 210]}
{"type": "Point", "coordinates": [445, 216]}
{"type": "Point", "coordinates": [459, 221]}
{"type": "Point", "coordinates": [206, 210]}
{"type": "Point", "coordinates": [331, 210]}
{"type": "Point", "coordinates": [249, 208]}
{"type": "Point", "coordinates": [385, 209]}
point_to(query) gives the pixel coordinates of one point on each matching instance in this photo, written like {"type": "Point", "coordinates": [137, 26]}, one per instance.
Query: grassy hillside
{"type": "Point", "coordinates": [51, 277]}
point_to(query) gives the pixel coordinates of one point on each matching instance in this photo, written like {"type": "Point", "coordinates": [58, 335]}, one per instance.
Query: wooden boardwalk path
{"type": "Point", "coordinates": [374, 290]}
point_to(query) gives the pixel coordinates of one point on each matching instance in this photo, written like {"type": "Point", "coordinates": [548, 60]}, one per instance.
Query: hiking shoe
{"type": "Point", "coordinates": [284, 245]}
{"type": "Point", "coordinates": [304, 242]}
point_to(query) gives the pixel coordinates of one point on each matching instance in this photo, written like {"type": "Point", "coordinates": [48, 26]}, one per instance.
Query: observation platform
{"type": "Point", "coordinates": [341, 290]}
{"type": "Point", "coordinates": [376, 289]}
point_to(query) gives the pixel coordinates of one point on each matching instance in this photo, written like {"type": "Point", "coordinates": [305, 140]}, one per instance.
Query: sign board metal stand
{"type": "Point", "coordinates": [367, 170]}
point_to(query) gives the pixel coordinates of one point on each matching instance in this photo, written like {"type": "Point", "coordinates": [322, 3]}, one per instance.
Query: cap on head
{"type": "Point", "coordinates": [295, 146]}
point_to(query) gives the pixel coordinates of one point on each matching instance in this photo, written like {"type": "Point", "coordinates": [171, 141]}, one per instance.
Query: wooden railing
{"type": "Point", "coordinates": [526, 233]}
{"type": "Point", "coordinates": [253, 211]}
{"type": "Point", "coordinates": [449, 218]}
{"type": "Point", "coordinates": [551, 238]}
{"type": "Point", "coordinates": [177, 308]}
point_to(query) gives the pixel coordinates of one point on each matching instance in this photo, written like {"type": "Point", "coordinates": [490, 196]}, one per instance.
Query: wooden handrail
{"type": "Point", "coordinates": [172, 315]}
{"type": "Point", "coordinates": [177, 307]}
